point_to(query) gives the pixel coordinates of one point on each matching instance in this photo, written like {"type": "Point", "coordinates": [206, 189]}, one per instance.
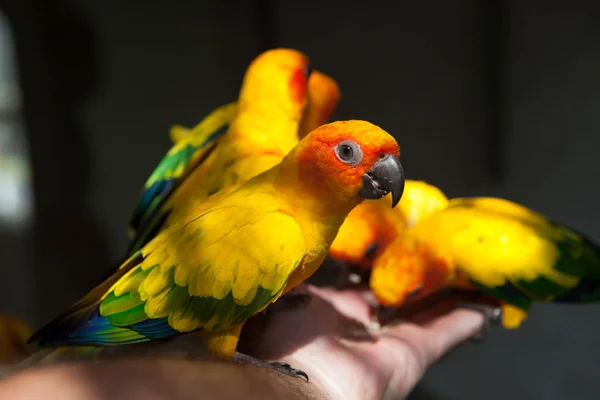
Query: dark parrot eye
{"type": "Point", "coordinates": [349, 152]}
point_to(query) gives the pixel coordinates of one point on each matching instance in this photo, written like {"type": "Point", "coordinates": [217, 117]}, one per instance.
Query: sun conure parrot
{"type": "Point", "coordinates": [322, 98]}
{"type": "Point", "coordinates": [231, 145]}
{"type": "Point", "coordinates": [370, 227]}
{"type": "Point", "coordinates": [231, 255]}
{"type": "Point", "coordinates": [492, 245]}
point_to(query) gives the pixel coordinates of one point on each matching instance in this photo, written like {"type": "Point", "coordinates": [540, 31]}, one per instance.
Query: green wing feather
{"type": "Point", "coordinates": [212, 273]}
{"type": "Point", "coordinates": [188, 151]}
{"type": "Point", "coordinates": [553, 262]}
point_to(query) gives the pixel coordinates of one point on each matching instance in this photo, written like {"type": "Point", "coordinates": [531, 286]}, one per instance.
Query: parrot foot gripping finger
{"type": "Point", "coordinates": [491, 314]}
{"type": "Point", "coordinates": [282, 367]}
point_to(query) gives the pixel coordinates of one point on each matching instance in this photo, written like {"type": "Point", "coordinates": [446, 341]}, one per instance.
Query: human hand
{"type": "Point", "coordinates": [327, 341]}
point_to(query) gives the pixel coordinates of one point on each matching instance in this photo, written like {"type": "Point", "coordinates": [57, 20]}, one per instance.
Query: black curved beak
{"type": "Point", "coordinates": [387, 175]}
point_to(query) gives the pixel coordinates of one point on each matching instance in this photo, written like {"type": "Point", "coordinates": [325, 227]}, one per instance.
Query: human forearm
{"type": "Point", "coordinates": [156, 380]}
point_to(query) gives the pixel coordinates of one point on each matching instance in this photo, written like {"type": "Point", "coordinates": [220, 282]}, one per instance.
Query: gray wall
{"type": "Point", "coordinates": [416, 71]}
{"type": "Point", "coordinates": [552, 159]}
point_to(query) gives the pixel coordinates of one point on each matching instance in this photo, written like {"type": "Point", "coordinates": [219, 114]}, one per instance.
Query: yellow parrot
{"type": "Point", "coordinates": [370, 228]}
{"type": "Point", "coordinates": [231, 255]}
{"type": "Point", "coordinates": [494, 246]}
{"type": "Point", "coordinates": [234, 143]}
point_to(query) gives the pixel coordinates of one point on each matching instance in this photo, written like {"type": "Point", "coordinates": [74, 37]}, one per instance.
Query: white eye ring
{"type": "Point", "coordinates": [349, 152]}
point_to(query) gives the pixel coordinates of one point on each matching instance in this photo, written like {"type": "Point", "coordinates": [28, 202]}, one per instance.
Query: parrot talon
{"type": "Point", "coordinates": [287, 369]}
{"type": "Point", "coordinates": [492, 315]}
{"type": "Point", "coordinates": [282, 367]}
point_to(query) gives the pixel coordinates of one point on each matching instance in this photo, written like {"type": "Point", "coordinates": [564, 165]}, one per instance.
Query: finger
{"type": "Point", "coordinates": [450, 330]}
{"type": "Point", "coordinates": [412, 347]}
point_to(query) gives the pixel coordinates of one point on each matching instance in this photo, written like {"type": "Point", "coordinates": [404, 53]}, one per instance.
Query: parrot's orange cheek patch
{"type": "Point", "coordinates": [298, 85]}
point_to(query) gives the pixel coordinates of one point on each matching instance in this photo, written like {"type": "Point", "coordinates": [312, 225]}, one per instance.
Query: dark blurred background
{"type": "Point", "coordinates": [485, 97]}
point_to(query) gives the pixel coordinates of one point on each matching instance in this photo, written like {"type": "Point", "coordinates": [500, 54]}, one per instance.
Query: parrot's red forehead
{"type": "Point", "coordinates": [372, 139]}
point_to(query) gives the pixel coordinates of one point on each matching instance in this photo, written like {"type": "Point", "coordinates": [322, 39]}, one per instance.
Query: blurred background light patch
{"type": "Point", "coordinates": [16, 198]}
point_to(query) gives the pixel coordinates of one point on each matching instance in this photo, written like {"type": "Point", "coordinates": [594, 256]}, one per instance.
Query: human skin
{"type": "Point", "coordinates": [327, 339]}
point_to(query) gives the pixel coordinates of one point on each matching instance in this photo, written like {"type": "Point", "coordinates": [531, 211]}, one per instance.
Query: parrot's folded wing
{"type": "Point", "coordinates": [210, 273]}
{"type": "Point", "coordinates": [189, 150]}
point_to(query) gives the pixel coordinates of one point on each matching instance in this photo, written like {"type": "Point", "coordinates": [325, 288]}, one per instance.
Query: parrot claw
{"type": "Point", "coordinates": [287, 369]}
{"type": "Point", "coordinates": [492, 315]}
{"type": "Point", "coordinates": [282, 367]}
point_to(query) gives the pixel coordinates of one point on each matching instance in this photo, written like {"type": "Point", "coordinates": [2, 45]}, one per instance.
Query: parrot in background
{"type": "Point", "coordinates": [512, 254]}
{"type": "Point", "coordinates": [375, 224]}
{"type": "Point", "coordinates": [234, 143]}
{"type": "Point", "coordinates": [323, 97]}
{"type": "Point", "coordinates": [230, 255]}
{"type": "Point", "coordinates": [370, 228]}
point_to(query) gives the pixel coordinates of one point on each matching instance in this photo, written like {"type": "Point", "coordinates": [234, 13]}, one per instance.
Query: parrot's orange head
{"type": "Point", "coordinates": [277, 79]}
{"type": "Point", "coordinates": [351, 160]}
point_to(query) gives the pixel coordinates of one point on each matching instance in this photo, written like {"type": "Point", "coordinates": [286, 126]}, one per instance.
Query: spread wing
{"type": "Point", "coordinates": [520, 256]}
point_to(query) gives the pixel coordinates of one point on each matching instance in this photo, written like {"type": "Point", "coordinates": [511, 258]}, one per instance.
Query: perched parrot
{"type": "Point", "coordinates": [232, 254]}
{"type": "Point", "coordinates": [495, 246]}
{"type": "Point", "coordinates": [370, 228]}
{"type": "Point", "coordinates": [234, 143]}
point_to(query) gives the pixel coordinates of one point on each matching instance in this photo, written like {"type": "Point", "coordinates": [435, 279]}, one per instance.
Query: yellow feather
{"type": "Point", "coordinates": [178, 132]}
{"type": "Point", "coordinates": [512, 317]}
{"type": "Point", "coordinates": [157, 280]}
{"type": "Point", "coordinates": [493, 241]}
{"type": "Point", "coordinates": [420, 200]}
